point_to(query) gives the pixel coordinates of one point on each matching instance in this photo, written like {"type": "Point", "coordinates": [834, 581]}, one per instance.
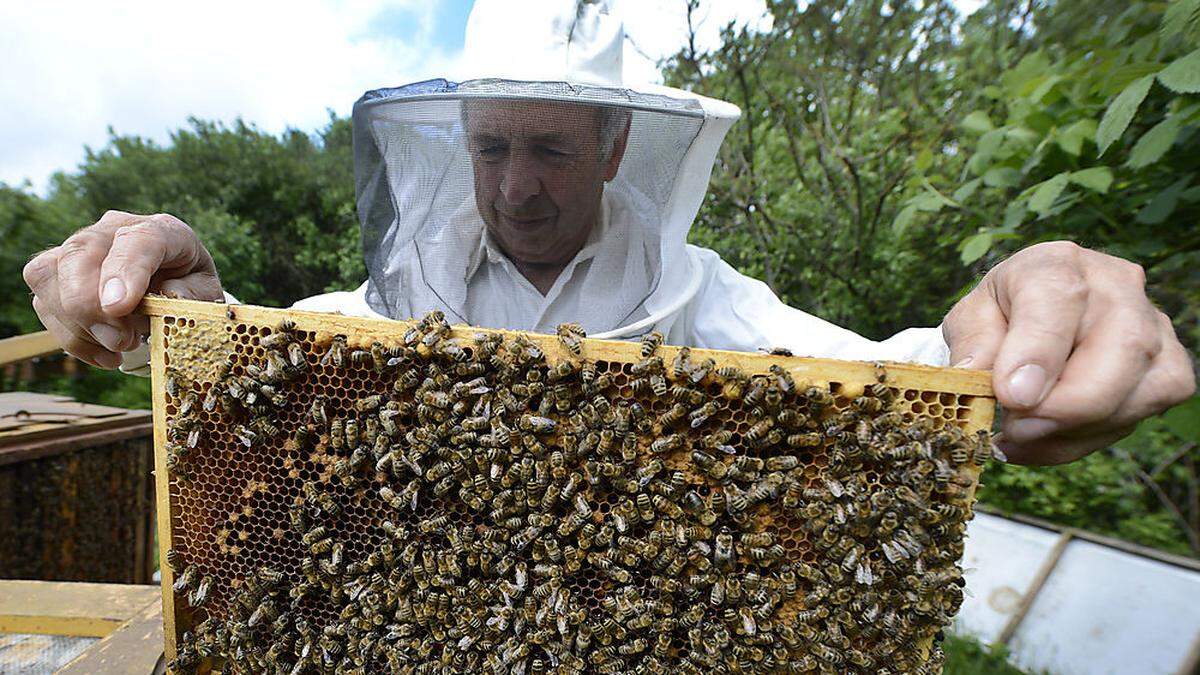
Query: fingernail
{"type": "Point", "coordinates": [965, 362]}
{"type": "Point", "coordinates": [1027, 385]}
{"type": "Point", "coordinates": [1031, 428]}
{"type": "Point", "coordinates": [1001, 450]}
{"type": "Point", "coordinates": [108, 336]}
{"type": "Point", "coordinates": [114, 292]}
{"type": "Point", "coordinates": [110, 361]}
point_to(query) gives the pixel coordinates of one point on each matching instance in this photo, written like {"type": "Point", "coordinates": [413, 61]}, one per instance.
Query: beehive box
{"type": "Point", "coordinates": [76, 492]}
{"type": "Point", "coordinates": [411, 497]}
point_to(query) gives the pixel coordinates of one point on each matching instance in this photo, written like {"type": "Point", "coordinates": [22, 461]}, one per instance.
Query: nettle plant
{"type": "Point", "coordinates": [1091, 141]}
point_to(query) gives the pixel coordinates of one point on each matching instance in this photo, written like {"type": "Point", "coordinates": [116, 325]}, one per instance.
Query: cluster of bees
{"type": "Point", "coordinates": [568, 517]}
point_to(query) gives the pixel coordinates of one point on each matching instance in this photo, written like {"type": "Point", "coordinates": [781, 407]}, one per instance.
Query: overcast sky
{"type": "Point", "coordinates": [72, 69]}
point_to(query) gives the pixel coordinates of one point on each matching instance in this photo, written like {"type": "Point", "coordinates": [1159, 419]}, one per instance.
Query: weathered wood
{"type": "Point", "coordinates": [25, 347]}
{"type": "Point", "coordinates": [1035, 587]}
{"type": "Point", "coordinates": [68, 607]}
{"type": "Point", "coordinates": [134, 648]}
{"type": "Point", "coordinates": [1121, 545]}
{"type": "Point", "coordinates": [36, 425]}
{"type": "Point", "coordinates": [143, 523]}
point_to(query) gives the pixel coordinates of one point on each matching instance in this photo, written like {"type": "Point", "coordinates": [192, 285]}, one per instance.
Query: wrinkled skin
{"type": "Point", "coordinates": [85, 289]}
{"type": "Point", "coordinates": [540, 171]}
{"type": "Point", "coordinates": [1079, 354]}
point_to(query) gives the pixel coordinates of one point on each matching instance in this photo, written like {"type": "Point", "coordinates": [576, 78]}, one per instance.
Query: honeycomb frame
{"type": "Point", "coordinates": [192, 338]}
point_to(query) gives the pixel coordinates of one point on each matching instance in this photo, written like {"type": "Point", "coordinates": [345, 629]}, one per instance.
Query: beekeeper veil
{"type": "Point", "coordinates": [546, 159]}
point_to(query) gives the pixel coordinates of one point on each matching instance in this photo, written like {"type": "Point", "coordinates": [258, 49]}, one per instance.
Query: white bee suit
{"type": "Point", "coordinates": [427, 247]}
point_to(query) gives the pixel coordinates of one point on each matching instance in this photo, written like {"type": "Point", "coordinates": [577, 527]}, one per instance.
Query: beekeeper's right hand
{"type": "Point", "coordinates": [85, 289]}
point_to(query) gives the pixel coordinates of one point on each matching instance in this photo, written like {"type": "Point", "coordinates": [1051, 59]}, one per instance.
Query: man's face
{"type": "Point", "coordinates": [539, 175]}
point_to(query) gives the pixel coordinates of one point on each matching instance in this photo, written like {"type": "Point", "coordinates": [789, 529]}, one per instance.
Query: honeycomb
{"type": "Point", "coordinates": [349, 495]}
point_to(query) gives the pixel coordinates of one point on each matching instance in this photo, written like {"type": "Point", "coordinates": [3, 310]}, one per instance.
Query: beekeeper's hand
{"type": "Point", "coordinates": [1079, 354]}
{"type": "Point", "coordinates": [85, 289]}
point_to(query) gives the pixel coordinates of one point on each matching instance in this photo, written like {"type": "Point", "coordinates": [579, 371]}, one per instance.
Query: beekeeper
{"type": "Point", "coordinates": [554, 191]}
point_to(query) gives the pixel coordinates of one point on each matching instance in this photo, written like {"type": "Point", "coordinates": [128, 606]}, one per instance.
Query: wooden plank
{"type": "Point", "coordinates": [1035, 587]}
{"type": "Point", "coordinates": [1185, 562]}
{"type": "Point", "coordinates": [162, 487]}
{"type": "Point", "coordinates": [852, 373]}
{"type": "Point", "coordinates": [143, 519]}
{"type": "Point", "coordinates": [69, 607]}
{"type": "Point", "coordinates": [135, 647]}
{"type": "Point", "coordinates": [25, 347]}
{"type": "Point", "coordinates": [67, 438]}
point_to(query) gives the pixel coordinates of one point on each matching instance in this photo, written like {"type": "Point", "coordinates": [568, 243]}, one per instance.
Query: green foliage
{"type": "Point", "coordinates": [277, 212]}
{"type": "Point", "coordinates": [842, 103]}
{"type": "Point", "coordinates": [967, 656]}
{"type": "Point", "coordinates": [27, 225]}
{"type": "Point", "coordinates": [1106, 492]}
{"type": "Point", "coordinates": [92, 385]}
{"type": "Point", "coordinates": [1089, 137]}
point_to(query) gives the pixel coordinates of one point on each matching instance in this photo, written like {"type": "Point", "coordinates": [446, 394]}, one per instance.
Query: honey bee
{"type": "Point", "coordinates": [782, 463]}
{"type": "Point", "coordinates": [867, 404]}
{"type": "Point", "coordinates": [571, 335]}
{"type": "Point", "coordinates": [211, 398]}
{"type": "Point", "coordinates": [805, 440]}
{"type": "Point", "coordinates": [650, 343]}
{"type": "Point", "coordinates": [759, 431]}
{"type": "Point", "coordinates": [651, 364]}
{"type": "Point", "coordinates": [700, 415]}
{"type": "Point", "coordinates": [668, 508]}
{"type": "Point", "coordinates": [368, 403]}
{"type": "Point", "coordinates": [783, 379]}
{"type": "Point", "coordinates": [716, 594]}
{"type": "Point", "coordinates": [667, 444]}
{"type": "Point", "coordinates": [723, 550]}
{"type": "Point", "coordinates": [336, 354]}
{"type": "Point", "coordinates": [317, 414]}
{"type": "Point", "coordinates": [983, 450]}
{"type": "Point", "coordinates": [198, 597]}
{"type": "Point", "coordinates": [755, 394]}
{"type": "Point", "coordinates": [818, 396]}
{"type": "Point", "coordinates": [244, 435]}
{"type": "Point", "coordinates": [700, 372]}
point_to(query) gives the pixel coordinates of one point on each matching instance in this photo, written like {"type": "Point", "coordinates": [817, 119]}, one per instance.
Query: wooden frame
{"type": "Point", "coordinates": [850, 377]}
{"type": "Point", "coordinates": [127, 618]}
{"type": "Point", "coordinates": [81, 609]}
{"type": "Point", "coordinates": [24, 347]}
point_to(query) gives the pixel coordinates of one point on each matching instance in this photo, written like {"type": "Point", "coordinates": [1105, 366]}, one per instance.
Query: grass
{"type": "Point", "coordinates": [967, 656]}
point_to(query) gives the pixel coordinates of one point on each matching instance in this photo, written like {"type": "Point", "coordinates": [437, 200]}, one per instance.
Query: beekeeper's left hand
{"type": "Point", "coordinates": [1079, 354]}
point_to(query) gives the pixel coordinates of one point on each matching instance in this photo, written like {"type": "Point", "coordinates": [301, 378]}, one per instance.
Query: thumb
{"type": "Point", "coordinates": [146, 251]}
{"type": "Point", "coordinates": [975, 328]}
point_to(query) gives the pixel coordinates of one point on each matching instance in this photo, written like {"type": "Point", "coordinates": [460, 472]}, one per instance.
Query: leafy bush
{"type": "Point", "coordinates": [967, 656]}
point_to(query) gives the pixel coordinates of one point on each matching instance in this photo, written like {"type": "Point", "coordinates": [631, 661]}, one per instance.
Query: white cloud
{"type": "Point", "coordinates": [146, 66]}
{"type": "Point", "coordinates": [73, 68]}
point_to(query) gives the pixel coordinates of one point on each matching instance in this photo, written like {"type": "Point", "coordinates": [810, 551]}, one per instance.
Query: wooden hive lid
{"type": "Point", "coordinates": [36, 425]}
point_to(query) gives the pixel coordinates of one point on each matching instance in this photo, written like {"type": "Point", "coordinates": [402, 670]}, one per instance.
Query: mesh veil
{"type": "Point", "coordinates": [458, 183]}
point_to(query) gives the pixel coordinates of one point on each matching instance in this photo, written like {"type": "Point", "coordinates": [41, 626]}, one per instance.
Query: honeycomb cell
{"type": "Point", "coordinates": [457, 518]}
